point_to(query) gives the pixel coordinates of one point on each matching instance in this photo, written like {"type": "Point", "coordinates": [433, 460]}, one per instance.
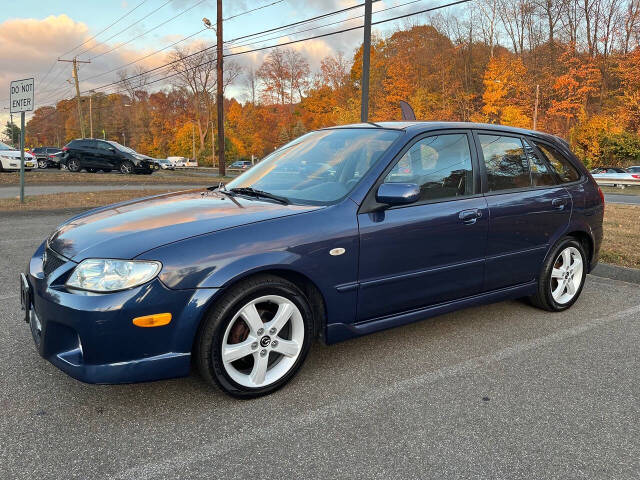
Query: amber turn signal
{"type": "Point", "coordinates": [156, 320]}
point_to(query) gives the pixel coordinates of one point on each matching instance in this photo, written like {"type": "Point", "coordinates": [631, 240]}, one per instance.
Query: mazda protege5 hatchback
{"type": "Point", "coordinates": [342, 232]}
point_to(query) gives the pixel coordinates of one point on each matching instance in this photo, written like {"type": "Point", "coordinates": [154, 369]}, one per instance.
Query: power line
{"type": "Point", "coordinates": [104, 29]}
{"type": "Point", "coordinates": [458, 2]}
{"type": "Point", "coordinates": [253, 10]}
{"type": "Point", "coordinates": [147, 32]}
{"type": "Point", "coordinates": [127, 27]}
{"type": "Point", "coordinates": [174, 43]}
{"type": "Point", "coordinates": [324, 15]}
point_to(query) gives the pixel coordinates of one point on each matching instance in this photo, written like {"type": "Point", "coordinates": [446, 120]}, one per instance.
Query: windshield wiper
{"type": "Point", "coordinates": [260, 193]}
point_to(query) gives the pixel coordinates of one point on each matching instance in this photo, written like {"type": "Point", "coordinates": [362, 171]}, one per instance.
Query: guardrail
{"type": "Point", "coordinates": [616, 180]}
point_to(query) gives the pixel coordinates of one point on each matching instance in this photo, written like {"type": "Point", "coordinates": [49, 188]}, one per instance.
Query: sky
{"type": "Point", "coordinates": [35, 33]}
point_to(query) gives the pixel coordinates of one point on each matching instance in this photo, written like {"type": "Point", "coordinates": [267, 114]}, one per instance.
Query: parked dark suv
{"type": "Point", "coordinates": [93, 155]}
{"type": "Point", "coordinates": [46, 156]}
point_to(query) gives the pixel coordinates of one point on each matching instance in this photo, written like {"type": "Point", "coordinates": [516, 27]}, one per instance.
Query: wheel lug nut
{"type": "Point", "coordinates": [254, 345]}
{"type": "Point", "coordinates": [263, 352]}
{"type": "Point", "coordinates": [272, 330]}
{"type": "Point", "coordinates": [274, 344]}
{"type": "Point", "coordinates": [260, 331]}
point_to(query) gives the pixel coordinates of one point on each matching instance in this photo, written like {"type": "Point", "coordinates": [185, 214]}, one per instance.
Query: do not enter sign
{"type": "Point", "coordinates": [21, 95]}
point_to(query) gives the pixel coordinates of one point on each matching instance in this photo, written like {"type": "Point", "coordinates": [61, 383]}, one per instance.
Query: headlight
{"type": "Point", "coordinates": [104, 275]}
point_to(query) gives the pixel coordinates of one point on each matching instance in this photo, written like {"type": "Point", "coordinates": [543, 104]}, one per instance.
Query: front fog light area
{"type": "Point", "coordinates": [107, 275]}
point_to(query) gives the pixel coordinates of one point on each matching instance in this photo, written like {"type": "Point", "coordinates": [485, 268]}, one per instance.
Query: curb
{"type": "Point", "coordinates": [625, 274]}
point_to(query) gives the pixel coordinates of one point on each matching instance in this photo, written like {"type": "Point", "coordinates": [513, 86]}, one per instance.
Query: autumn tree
{"type": "Point", "coordinates": [506, 97]}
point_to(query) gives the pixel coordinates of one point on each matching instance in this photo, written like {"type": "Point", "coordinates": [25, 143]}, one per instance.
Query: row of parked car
{"type": "Point", "coordinates": [88, 154]}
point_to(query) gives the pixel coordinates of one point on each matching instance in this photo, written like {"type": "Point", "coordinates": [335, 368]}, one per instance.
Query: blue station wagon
{"type": "Point", "coordinates": [342, 232]}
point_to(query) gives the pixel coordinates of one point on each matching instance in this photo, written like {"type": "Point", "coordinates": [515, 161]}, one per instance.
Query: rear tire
{"type": "Point", "coordinates": [264, 316]}
{"type": "Point", "coordinates": [73, 165]}
{"type": "Point", "coordinates": [42, 164]}
{"type": "Point", "coordinates": [562, 276]}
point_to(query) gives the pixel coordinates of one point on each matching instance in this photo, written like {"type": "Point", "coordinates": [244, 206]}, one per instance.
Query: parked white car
{"type": "Point", "coordinates": [10, 158]}
{"type": "Point", "coordinates": [178, 161]}
{"type": "Point", "coordinates": [616, 178]}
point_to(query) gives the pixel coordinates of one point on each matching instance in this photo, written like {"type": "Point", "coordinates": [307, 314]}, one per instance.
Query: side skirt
{"type": "Point", "coordinates": [338, 332]}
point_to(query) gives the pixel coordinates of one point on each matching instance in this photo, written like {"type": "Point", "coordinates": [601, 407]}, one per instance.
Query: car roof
{"type": "Point", "coordinates": [416, 127]}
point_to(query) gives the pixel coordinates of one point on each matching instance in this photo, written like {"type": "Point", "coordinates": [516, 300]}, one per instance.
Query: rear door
{"type": "Point", "coordinates": [528, 209]}
{"type": "Point", "coordinates": [431, 251]}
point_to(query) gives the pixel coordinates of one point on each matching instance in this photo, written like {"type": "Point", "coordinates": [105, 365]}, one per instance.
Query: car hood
{"type": "Point", "coordinates": [15, 154]}
{"type": "Point", "coordinates": [128, 229]}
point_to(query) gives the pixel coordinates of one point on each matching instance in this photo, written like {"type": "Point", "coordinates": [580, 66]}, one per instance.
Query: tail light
{"type": "Point", "coordinates": [601, 196]}
{"type": "Point", "coordinates": [636, 176]}
{"type": "Point", "coordinates": [64, 149]}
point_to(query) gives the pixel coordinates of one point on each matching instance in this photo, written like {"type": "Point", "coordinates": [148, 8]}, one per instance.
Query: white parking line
{"type": "Point", "coordinates": [181, 461]}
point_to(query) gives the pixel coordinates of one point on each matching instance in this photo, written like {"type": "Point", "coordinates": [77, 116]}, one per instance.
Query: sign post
{"type": "Point", "coordinates": [21, 100]}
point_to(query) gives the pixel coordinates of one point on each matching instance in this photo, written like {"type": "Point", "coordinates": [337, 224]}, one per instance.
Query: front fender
{"type": "Point", "coordinates": [297, 243]}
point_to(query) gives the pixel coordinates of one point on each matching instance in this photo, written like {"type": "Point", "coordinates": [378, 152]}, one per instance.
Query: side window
{"type": "Point", "coordinates": [103, 146]}
{"type": "Point", "coordinates": [561, 165]}
{"type": "Point", "coordinates": [506, 163]}
{"type": "Point", "coordinates": [440, 165]}
{"type": "Point", "coordinates": [541, 173]}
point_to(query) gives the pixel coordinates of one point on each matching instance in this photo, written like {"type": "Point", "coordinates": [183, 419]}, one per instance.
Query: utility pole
{"type": "Point", "coordinates": [366, 53]}
{"type": "Point", "coordinates": [219, 81]}
{"type": "Point", "coordinates": [75, 62]}
{"type": "Point", "coordinates": [90, 116]}
{"type": "Point", "coordinates": [213, 151]}
{"type": "Point", "coordinates": [535, 110]}
{"type": "Point", "coordinates": [220, 96]}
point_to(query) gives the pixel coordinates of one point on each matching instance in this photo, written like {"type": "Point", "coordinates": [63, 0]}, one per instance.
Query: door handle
{"type": "Point", "coordinates": [558, 203]}
{"type": "Point", "coordinates": [470, 216]}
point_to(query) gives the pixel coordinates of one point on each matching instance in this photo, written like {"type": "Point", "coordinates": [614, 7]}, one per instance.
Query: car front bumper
{"type": "Point", "coordinates": [91, 336]}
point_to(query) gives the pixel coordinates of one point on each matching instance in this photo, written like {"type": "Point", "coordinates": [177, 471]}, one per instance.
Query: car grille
{"type": "Point", "coordinates": [51, 260]}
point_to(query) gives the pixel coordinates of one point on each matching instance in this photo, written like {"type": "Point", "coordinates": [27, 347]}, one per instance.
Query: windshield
{"type": "Point", "coordinates": [4, 146]}
{"type": "Point", "coordinates": [122, 147]}
{"type": "Point", "coordinates": [320, 167]}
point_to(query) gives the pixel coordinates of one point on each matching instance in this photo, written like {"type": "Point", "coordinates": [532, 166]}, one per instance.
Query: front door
{"type": "Point", "coordinates": [527, 209]}
{"type": "Point", "coordinates": [431, 251]}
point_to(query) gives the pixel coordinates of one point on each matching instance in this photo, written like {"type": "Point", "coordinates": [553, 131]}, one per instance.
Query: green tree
{"type": "Point", "coordinates": [12, 133]}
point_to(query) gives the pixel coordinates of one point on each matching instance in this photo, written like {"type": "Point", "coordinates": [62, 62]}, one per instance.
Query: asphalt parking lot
{"type": "Point", "coordinates": [501, 391]}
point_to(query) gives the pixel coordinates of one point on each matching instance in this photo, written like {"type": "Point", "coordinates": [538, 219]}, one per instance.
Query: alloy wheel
{"type": "Point", "coordinates": [263, 341]}
{"type": "Point", "coordinates": [126, 168]}
{"type": "Point", "coordinates": [73, 166]}
{"type": "Point", "coordinates": [42, 164]}
{"type": "Point", "coordinates": [566, 275]}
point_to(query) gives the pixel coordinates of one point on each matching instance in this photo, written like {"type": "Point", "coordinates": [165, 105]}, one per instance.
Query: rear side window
{"type": "Point", "coordinates": [506, 162]}
{"type": "Point", "coordinates": [440, 165]}
{"type": "Point", "coordinates": [559, 163]}
{"type": "Point", "coordinates": [541, 173]}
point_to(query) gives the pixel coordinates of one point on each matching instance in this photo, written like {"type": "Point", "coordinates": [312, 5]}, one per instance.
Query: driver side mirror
{"type": "Point", "coordinates": [398, 193]}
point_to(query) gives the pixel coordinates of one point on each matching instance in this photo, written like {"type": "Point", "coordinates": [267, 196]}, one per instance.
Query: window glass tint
{"type": "Point", "coordinates": [541, 173]}
{"type": "Point", "coordinates": [561, 165]}
{"type": "Point", "coordinates": [103, 146]}
{"type": "Point", "coordinates": [440, 165]}
{"type": "Point", "coordinates": [506, 162]}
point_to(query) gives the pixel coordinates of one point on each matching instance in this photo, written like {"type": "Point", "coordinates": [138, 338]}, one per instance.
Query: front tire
{"type": "Point", "coordinates": [562, 277]}
{"type": "Point", "coordinates": [126, 167]}
{"type": "Point", "coordinates": [42, 164]}
{"type": "Point", "coordinates": [256, 337]}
